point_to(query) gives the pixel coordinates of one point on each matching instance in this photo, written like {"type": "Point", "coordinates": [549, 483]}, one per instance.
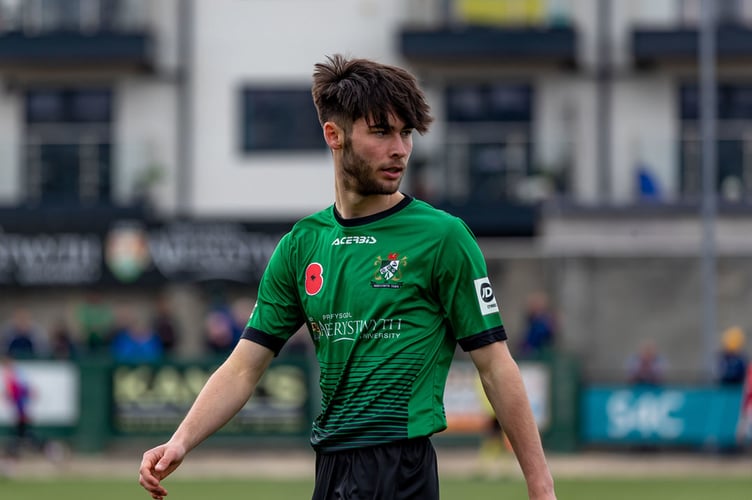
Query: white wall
{"type": "Point", "coordinates": [145, 132]}
{"type": "Point", "coordinates": [240, 42]}
{"type": "Point", "coordinates": [645, 123]}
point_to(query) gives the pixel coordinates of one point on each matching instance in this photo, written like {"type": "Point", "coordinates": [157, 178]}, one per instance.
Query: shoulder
{"type": "Point", "coordinates": [314, 222]}
{"type": "Point", "coordinates": [439, 220]}
{"type": "Point", "coordinates": [307, 226]}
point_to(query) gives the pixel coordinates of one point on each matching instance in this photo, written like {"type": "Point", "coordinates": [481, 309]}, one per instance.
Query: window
{"type": "Point", "coordinates": [279, 120]}
{"type": "Point", "coordinates": [489, 148]}
{"type": "Point", "coordinates": [734, 140]}
{"type": "Point", "coordinates": [489, 103]}
{"type": "Point", "coordinates": [68, 106]}
{"type": "Point", "coordinates": [67, 154]}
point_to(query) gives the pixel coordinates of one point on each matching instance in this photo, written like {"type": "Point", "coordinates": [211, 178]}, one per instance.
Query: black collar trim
{"type": "Point", "coordinates": [359, 221]}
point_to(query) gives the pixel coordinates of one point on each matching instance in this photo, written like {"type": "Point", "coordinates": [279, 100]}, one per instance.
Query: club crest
{"type": "Point", "coordinates": [389, 271]}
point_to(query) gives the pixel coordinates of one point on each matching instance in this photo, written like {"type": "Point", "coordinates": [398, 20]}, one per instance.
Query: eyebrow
{"type": "Point", "coordinates": [388, 127]}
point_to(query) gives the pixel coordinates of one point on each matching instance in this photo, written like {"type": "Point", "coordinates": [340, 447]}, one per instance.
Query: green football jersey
{"type": "Point", "coordinates": [386, 299]}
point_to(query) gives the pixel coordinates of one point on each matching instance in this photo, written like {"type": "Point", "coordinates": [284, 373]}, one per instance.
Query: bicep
{"type": "Point", "coordinates": [492, 358]}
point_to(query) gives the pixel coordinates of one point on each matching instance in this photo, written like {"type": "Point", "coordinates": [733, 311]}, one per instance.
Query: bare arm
{"type": "Point", "coordinates": [224, 394]}
{"type": "Point", "coordinates": [505, 390]}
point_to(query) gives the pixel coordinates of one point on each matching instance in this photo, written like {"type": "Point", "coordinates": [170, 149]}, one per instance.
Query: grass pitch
{"type": "Point", "coordinates": [451, 489]}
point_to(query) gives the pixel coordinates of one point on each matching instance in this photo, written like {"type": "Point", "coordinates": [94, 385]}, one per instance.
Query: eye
{"type": "Point", "coordinates": [407, 133]}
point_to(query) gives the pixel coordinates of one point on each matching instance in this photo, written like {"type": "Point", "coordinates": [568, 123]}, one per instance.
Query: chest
{"type": "Point", "coordinates": [365, 277]}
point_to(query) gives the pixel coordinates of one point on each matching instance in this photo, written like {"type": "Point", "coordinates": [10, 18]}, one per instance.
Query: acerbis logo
{"type": "Point", "coordinates": [354, 240]}
{"type": "Point", "coordinates": [486, 298]}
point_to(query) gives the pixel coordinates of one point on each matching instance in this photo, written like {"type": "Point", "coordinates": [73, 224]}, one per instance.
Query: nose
{"type": "Point", "coordinates": [401, 146]}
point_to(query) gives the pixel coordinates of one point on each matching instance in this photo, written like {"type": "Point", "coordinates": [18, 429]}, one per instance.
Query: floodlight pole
{"type": "Point", "coordinates": [708, 89]}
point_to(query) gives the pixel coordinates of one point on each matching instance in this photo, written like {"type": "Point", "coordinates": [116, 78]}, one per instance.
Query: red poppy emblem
{"type": "Point", "coordinates": [314, 278]}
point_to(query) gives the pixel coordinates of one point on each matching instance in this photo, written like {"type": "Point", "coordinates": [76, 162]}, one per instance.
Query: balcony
{"type": "Point", "coordinates": [64, 35]}
{"type": "Point", "coordinates": [481, 32]}
{"type": "Point", "coordinates": [60, 175]}
{"type": "Point", "coordinates": [674, 37]}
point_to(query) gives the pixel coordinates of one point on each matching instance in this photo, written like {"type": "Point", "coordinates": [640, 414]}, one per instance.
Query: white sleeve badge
{"type": "Point", "coordinates": [486, 298]}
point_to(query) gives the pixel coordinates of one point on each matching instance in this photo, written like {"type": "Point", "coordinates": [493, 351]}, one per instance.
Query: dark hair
{"type": "Point", "coordinates": [345, 90]}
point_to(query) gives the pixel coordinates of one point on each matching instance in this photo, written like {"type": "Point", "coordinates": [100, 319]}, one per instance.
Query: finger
{"type": "Point", "coordinates": [157, 491]}
{"type": "Point", "coordinates": [151, 484]}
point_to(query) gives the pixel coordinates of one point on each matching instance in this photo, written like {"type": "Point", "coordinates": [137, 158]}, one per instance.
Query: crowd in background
{"type": "Point", "coordinates": [99, 327]}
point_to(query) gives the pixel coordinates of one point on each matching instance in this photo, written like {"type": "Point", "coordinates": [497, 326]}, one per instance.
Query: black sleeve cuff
{"type": "Point", "coordinates": [266, 340]}
{"type": "Point", "coordinates": [482, 339]}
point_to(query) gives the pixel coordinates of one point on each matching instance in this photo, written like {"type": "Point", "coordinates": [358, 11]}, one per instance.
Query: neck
{"type": "Point", "coordinates": [351, 205]}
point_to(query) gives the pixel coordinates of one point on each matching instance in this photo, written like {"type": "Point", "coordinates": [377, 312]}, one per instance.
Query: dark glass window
{"type": "Point", "coordinates": [489, 103]}
{"type": "Point", "coordinates": [734, 102]}
{"type": "Point", "coordinates": [734, 113]}
{"type": "Point", "coordinates": [68, 106]}
{"type": "Point", "coordinates": [68, 145]}
{"type": "Point", "coordinates": [279, 120]}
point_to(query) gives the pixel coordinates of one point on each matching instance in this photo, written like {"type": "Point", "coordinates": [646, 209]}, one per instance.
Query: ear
{"type": "Point", "coordinates": [334, 135]}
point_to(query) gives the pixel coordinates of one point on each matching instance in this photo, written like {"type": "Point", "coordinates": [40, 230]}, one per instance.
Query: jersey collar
{"type": "Point", "coordinates": [359, 221]}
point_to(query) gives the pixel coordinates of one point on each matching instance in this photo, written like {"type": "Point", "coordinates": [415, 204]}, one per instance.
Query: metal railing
{"type": "Point", "coordinates": [688, 13]}
{"type": "Point", "coordinates": [84, 16]}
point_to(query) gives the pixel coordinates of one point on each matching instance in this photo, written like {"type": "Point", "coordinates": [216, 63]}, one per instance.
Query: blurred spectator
{"type": "Point", "coordinates": [732, 362]}
{"type": "Point", "coordinates": [164, 325]}
{"type": "Point", "coordinates": [647, 366]}
{"type": "Point", "coordinates": [219, 333]}
{"type": "Point", "coordinates": [62, 344]}
{"type": "Point", "coordinates": [241, 310]}
{"type": "Point", "coordinates": [540, 325]}
{"type": "Point", "coordinates": [18, 393]}
{"type": "Point", "coordinates": [22, 338]}
{"type": "Point", "coordinates": [95, 321]}
{"type": "Point", "coordinates": [134, 341]}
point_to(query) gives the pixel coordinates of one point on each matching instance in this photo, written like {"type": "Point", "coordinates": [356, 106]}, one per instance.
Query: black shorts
{"type": "Point", "coordinates": [396, 471]}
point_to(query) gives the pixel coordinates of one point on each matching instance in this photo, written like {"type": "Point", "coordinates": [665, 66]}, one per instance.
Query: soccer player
{"type": "Point", "coordinates": [387, 286]}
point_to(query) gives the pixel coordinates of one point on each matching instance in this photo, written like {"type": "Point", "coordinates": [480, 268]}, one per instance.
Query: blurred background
{"type": "Point", "coordinates": [152, 153]}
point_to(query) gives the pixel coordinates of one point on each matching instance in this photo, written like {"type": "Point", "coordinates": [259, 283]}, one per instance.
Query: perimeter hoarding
{"type": "Point", "coordinates": [153, 399]}
{"type": "Point", "coordinates": [669, 415]}
{"type": "Point", "coordinates": [54, 394]}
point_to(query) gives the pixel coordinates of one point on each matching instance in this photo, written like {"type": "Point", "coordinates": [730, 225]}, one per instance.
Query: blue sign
{"type": "Point", "coordinates": [666, 415]}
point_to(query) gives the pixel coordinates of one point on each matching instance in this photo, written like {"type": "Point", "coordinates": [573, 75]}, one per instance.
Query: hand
{"type": "Point", "coordinates": [157, 464]}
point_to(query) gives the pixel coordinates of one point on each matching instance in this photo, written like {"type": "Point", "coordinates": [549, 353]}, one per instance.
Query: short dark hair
{"type": "Point", "coordinates": [345, 90]}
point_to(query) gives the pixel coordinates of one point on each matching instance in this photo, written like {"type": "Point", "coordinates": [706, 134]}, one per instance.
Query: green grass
{"type": "Point", "coordinates": [451, 489]}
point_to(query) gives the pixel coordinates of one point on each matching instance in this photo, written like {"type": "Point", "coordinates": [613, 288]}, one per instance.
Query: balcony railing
{"type": "Point", "coordinates": [687, 13]}
{"type": "Point", "coordinates": [88, 171]}
{"type": "Point", "coordinates": [82, 16]}
{"type": "Point", "coordinates": [93, 35]}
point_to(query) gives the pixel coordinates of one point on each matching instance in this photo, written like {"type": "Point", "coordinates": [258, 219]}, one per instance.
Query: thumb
{"type": "Point", "coordinates": [163, 463]}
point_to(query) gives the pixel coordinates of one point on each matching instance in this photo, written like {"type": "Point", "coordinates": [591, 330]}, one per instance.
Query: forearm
{"type": "Point", "coordinates": [223, 395]}
{"type": "Point", "coordinates": [504, 387]}
{"type": "Point", "coordinates": [516, 418]}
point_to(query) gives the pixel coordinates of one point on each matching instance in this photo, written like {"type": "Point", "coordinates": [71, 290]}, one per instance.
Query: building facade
{"type": "Point", "coordinates": [200, 110]}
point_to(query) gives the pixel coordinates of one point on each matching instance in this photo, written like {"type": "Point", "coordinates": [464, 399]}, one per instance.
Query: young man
{"type": "Point", "coordinates": [387, 286]}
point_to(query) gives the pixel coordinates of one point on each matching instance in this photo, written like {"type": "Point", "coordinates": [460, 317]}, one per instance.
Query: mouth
{"type": "Point", "coordinates": [393, 171]}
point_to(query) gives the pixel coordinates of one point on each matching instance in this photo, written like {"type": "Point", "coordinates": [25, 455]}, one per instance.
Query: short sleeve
{"type": "Point", "coordinates": [465, 290]}
{"type": "Point", "coordinates": [277, 314]}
